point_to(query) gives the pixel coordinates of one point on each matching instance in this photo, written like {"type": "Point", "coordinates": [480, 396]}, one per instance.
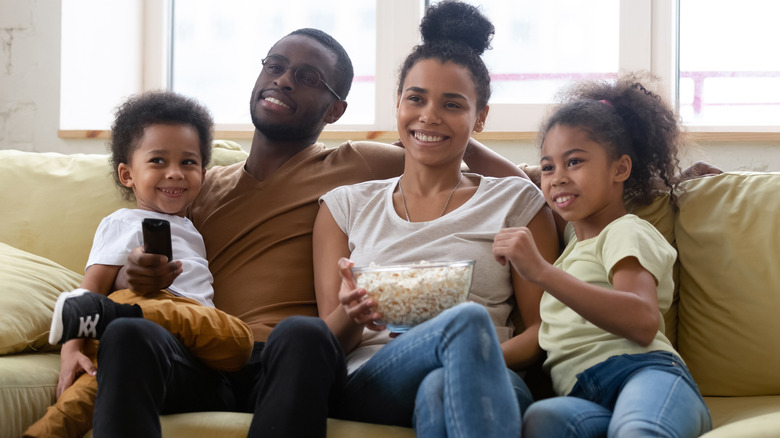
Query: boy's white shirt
{"type": "Point", "coordinates": [121, 232]}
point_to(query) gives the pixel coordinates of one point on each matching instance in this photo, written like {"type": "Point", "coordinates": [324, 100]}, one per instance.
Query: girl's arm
{"type": "Point", "coordinates": [523, 350]}
{"type": "Point", "coordinates": [338, 300]}
{"type": "Point", "coordinates": [630, 310]}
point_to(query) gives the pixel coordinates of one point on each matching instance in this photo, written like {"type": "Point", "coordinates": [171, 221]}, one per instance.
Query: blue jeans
{"type": "Point", "coordinates": [649, 394]}
{"type": "Point", "coordinates": [447, 376]}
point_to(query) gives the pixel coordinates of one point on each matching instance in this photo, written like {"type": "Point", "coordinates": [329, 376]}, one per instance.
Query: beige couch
{"type": "Point", "coordinates": [726, 322]}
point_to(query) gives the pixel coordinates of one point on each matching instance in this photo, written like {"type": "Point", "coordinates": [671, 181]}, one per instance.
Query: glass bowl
{"type": "Point", "coordinates": [409, 294]}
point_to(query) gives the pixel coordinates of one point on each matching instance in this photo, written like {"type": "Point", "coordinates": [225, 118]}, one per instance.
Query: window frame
{"type": "Point", "coordinates": [648, 41]}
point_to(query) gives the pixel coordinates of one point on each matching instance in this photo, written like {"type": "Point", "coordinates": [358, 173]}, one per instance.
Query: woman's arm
{"type": "Point", "coordinates": [483, 160]}
{"type": "Point", "coordinates": [630, 310]}
{"type": "Point", "coordinates": [523, 349]}
{"type": "Point", "coordinates": [337, 297]}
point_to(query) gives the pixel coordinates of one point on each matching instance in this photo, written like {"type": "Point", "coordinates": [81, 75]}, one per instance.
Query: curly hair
{"type": "Point", "coordinates": [151, 108]}
{"type": "Point", "coordinates": [456, 32]}
{"type": "Point", "coordinates": [627, 118]}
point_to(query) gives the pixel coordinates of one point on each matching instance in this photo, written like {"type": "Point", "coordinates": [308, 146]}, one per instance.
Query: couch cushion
{"type": "Point", "coordinates": [661, 214]}
{"type": "Point", "coordinates": [30, 286]}
{"type": "Point", "coordinates": [729, 251]}
{"type": "Point", "coordinates": [53, 203]}
{"type": "Point", "coordinates": [236, 425]}
{"type": "Point", "coordinates": [27, 386]}
{"type": "Point", "coordinates": [758, 426]}
{"type": "Point", "coordinates": [740, 410]}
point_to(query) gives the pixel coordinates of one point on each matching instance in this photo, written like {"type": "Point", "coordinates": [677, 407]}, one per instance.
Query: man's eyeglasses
{"type": "Point", "coordinates": [277, 66]}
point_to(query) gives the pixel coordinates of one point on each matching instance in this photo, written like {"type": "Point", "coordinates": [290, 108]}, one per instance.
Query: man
{"type": "Point", "coordinates": [256, 219]}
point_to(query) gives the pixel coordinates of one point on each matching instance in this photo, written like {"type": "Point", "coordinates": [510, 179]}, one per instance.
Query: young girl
{"type": "Point", "coordinates": [602, 324]}
{"type": "Point", "coordinates": [447, 376]}
{"type": "Point", "coordinates": [160, 144]}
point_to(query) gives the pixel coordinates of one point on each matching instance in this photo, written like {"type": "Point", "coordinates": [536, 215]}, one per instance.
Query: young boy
{"type": "Point", "coordinates": [160, 146]}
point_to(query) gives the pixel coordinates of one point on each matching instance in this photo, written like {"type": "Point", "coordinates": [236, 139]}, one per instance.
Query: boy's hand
{"type": "Point", "coordinates": [144, 273]}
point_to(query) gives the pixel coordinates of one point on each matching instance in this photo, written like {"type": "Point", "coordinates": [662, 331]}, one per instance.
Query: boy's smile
{"type": "Point", "coordinates": [166, 169]}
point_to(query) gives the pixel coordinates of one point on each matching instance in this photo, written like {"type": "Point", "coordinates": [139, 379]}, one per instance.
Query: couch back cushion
{"type": "Point", "coordinates": [661, 214]}
{"type": "Point", "coordinates": [52, 203]}
{"type": "Point", "coordinates": [729, 299]}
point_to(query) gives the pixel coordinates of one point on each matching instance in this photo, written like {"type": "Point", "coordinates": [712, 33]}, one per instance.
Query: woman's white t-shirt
{"type": "Point", "coordinates": [377, 234]}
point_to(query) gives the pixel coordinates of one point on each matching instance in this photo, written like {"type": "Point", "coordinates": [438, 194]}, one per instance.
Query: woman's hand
{"type": "Point", "coordinates": [72, 363]}
{"type": "Point", "coordinates": [353, 300]}
{"type": "Point", "coordinates": [517, 246]}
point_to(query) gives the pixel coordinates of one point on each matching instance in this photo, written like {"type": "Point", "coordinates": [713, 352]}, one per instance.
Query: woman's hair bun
{"type": "Point", "coordinates": [457, 22]}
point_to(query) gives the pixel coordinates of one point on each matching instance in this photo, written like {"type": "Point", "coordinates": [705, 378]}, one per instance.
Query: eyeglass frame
{"type": "Point", "coordinates": [295, 74]}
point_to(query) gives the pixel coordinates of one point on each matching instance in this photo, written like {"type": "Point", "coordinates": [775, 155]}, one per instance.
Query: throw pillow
{"type": "Point", "coordinates": [30, 286]}
{"type": "Point", "coordinates": [729, 252]}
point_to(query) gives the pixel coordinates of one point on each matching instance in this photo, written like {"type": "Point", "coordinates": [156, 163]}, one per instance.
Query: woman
{"type": "Point", "coordinates": [432, 376]}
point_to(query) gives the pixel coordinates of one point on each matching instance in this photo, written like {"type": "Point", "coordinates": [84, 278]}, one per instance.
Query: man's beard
{"type": "Point", "coordinates": [304, 130]}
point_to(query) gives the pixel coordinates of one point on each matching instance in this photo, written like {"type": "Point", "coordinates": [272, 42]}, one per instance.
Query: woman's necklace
{"type": "Point", "coordinates": [446, 204]}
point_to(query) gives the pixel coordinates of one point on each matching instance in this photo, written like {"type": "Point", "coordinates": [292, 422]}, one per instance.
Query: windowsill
{"type": "Point", "coordinates": [390, 136]}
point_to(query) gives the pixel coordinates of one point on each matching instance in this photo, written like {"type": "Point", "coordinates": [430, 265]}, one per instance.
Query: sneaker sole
{"type": "Point", "coordinates": [57, 327]}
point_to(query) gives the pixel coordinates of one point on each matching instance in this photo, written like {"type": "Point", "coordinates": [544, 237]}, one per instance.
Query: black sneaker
{"type": "Point", "coordinates": [84, 314]}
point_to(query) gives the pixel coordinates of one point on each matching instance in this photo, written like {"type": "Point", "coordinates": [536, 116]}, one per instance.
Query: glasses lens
{"type": "Point", "coordinates": [307, 76]}
{"type": "Point", "coordinates": [274, 66]}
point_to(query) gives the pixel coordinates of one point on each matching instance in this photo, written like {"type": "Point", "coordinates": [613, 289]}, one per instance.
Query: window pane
{"type": "Point", "coordinates": [729, 69]}
{"type": "Point", "coordinates": [217, 48]}
{"type": "Point", "coordinates": [541, 46]}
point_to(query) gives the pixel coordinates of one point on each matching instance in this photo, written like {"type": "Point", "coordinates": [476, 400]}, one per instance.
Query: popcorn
{"type": "Point", "coordinates": [408, 295]}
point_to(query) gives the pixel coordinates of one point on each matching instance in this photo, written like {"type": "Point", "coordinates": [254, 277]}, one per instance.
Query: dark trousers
{"type": "Point", "coordinates": [288, 384]}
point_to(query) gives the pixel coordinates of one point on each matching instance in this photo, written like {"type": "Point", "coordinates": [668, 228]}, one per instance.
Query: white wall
{"type": "Point", "coordinates": [30, 96]}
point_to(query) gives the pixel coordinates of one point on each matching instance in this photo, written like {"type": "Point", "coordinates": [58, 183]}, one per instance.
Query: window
{"type": "Point", "coordinates": [545, 55]}
{"type": "Point", "coordinates": [534, 55]}
{"type": "Point", "coordinates": [217, 48]}
{"type": "Point", "coordinates": [539, 47]}
{"type": "Point", "coordinates": [728, 75]}
{"type": "Point", "coordinates": [212, 51]}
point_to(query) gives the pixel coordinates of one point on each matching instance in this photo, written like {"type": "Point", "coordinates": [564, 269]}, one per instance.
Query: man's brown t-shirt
{"type": "Point", "coordinates": [258, 235]}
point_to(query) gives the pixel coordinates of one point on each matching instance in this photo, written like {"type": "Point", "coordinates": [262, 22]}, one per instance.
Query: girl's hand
{"type": "Point", "coordinates": [72, 363]}
{"type": "Point", "coordinates": [517, 246]}
{"type": "Point", "coordinates": [353, 300]}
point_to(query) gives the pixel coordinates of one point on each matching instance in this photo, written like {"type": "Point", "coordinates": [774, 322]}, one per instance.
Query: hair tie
{"type": "Point", "coordinates": [605, 102]}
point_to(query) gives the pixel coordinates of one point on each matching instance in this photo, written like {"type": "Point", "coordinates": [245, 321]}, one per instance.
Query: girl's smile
{"type": "Point", "coordinates": [580, 181]}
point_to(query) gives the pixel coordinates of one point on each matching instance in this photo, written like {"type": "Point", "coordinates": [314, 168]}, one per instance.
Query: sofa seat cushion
{"type": "Point", "coordinates": [28, 383]}
{"type": "Point", "coordinates": [744, 416]}
{"type": "Point", "coordinates": [727, 240]}
{"type": "Point", "coordinates": [30, 287]}
{"type": "Point", "coordinates": [236, 425]}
